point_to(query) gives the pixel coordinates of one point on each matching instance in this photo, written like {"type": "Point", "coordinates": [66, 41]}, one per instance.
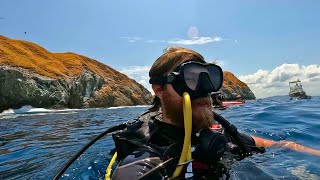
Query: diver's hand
{"type": "Point", "coordinates": [212, 146]}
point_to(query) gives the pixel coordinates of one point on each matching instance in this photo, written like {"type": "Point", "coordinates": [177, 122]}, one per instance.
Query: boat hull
{"type": "Point", "coordinates": [231, 103]}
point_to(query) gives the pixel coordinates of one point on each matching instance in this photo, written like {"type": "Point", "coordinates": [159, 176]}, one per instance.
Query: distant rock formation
{"type": "Point", "coordinates": [31, 75]}
{"type": "Point", "coordinates": [233, 87]}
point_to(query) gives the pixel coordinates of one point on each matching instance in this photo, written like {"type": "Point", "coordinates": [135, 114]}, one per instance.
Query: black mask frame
{"type": "Point", "coordinates": [206, 82]}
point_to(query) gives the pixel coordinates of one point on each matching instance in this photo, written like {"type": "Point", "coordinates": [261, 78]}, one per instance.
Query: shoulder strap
{"type": "Point", "coordinates": [136, 135]}
{"type": "Point", "coordinates": [245, 149]}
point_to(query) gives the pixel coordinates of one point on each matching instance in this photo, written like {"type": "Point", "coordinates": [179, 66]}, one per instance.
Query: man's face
{"type": "Point", "coordinates": [202, 116]}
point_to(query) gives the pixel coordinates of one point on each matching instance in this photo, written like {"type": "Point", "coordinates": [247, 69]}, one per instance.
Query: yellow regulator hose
{"type": "Point", "coordinates": [109, 168]}
{"type": "Point", "coordinates": [186, 151]}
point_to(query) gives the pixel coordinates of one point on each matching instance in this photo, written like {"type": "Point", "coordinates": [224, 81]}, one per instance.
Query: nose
{"type": "Point", "coordinates": [204, 84]}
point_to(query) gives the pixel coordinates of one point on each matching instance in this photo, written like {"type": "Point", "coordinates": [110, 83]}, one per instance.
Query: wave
{"type": "Point", "coordinates": [26, 110]}
{"type": "Point", "coordinates": [120, 107]}
{"type": "Point", "coordinates": [29, 111]}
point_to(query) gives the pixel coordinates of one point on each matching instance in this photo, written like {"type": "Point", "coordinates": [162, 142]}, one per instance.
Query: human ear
{"type": "Point", "coordinates": [158, 90]}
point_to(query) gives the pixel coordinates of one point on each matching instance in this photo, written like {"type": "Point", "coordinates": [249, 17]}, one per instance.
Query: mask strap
{"type": "Point", "coordinates": [162, 80]}
{"type": "Point", "coordinates": [158, 80]}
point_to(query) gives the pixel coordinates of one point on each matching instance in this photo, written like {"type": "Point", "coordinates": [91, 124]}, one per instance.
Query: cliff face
{"type": "Point", "coordinates": [232, 87]}
{"type": "Point", "coordinates": [31, 75]}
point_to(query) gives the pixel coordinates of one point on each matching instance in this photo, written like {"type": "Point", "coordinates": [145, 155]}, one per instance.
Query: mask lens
{"type": "Point", "coordinates": [191, 74]}
{"type": "Point", "coordinates": [215, 76]}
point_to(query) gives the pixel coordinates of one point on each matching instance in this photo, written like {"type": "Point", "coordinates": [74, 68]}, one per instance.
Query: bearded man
{"type": "Point", "coordinates": [150, 147]}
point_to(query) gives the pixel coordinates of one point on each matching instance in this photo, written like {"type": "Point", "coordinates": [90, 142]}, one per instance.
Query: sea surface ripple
{"type": "Point", "coordinates": [35, 145]}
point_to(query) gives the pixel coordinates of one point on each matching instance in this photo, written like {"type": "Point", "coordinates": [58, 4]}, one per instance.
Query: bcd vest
{"type": "Point", "coordinates": [139, 133]}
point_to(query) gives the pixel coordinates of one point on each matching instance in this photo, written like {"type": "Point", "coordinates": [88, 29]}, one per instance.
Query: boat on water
{"type": "Point", "coordinates": [225, 104]}
{"type": "Point", "coordinates": [297, 91]}
{"type": "Point", "coordinates": [220, 103]}
{"type": "Point", "coordinates": [231, 103]}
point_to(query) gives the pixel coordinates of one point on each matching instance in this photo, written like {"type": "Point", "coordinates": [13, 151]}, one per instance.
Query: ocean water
{"type": "Point", "coordinates": [35, 143]}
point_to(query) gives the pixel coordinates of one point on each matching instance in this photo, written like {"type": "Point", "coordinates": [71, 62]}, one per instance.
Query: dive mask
{"type": "Point", "coordinates": [198, 79]}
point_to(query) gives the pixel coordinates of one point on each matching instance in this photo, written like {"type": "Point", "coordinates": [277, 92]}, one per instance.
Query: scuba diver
{"type": "Point", "coordinates": [217, 99]}
{"type": "Point", "coordinates": [180, 137]}
{"type": "Point", "coordinates": [239, 98]}
{"type": "Point", "coordinates": [150, 147]}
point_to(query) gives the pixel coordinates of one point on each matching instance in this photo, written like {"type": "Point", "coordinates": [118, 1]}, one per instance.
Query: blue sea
{"type": "Point", "coordinates": [35, 143]}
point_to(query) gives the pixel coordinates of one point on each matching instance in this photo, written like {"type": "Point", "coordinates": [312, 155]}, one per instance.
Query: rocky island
{"type": "Point", "coordinates": [31, 75]}
{"type": "Point", "coordinates": [233, 87]}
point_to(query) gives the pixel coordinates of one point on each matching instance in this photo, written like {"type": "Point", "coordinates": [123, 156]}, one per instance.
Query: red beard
{"type": "Point", "coordinates": [202, 116]}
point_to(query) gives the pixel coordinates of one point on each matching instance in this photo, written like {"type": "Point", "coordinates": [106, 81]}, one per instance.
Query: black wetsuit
{"type": "Point", "coordinates": [148, 141]}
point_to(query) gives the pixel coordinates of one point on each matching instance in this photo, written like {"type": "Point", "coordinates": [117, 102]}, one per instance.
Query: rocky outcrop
{"type": "Point", "coordinates": [20, 87]}
{"type": "Point", "coordinates": [233, 87]}
{"type": "Point", "coordinates": [31, 75]}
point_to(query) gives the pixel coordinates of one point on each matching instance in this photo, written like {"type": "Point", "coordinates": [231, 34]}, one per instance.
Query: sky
{"type": "Point", "coordinates": [264, 43]}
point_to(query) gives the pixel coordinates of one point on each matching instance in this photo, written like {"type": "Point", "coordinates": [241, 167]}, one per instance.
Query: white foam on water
{"type": "Point", "coordinates": [119, 107]}
{"type": "Point", "coordinates": [31, 110]}
{"type": "Point", "coordinates": [25, 110]}
{"type": "Point", "coordinates": [301, 172]}
{"type": "Point", "coordinates": [9, 111]}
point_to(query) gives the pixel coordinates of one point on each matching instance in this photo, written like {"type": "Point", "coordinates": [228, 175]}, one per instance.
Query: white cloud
{"type": "Point", "coordinates": [134, 70]}
{"type": "Point", "coordinates": [265, 83]}
{"type": "Point", "coordinates": [151, 41]}
{"type": "Point", "coordinates": [154, 41]}
{"type": "Point", "coordinates": [254, 78]}
{"type": "Point", "coordinates": [195, 40]}
{"type": "Point", "coordinates": [132, 39]}
{"type": "Point", "coordinates": [193, 33]}
{"type": "Point", "coordinates": [220, 63]}
{"type": "Point", "coordinates": [139, 74]}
